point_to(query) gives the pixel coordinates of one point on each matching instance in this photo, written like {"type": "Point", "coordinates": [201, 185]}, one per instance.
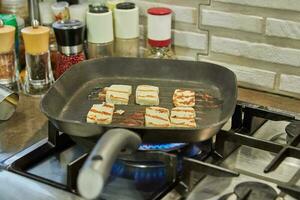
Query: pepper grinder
{"type": "Point", "coordinates": [8, 62]}
{"type": "Point", "coordinates": [159, 33]}
{"type": "Point", "coordinates": [126, 17]}
{"type": "Point", "coordinates": [69, 36]}
{"type": "Point", "coordinates": [100, 34]}
{"type": "Point", "coordinates": [38, 77]}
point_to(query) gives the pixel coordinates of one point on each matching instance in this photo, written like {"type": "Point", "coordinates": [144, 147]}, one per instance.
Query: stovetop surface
{"type": "Point", "coordinates": [249, 162]}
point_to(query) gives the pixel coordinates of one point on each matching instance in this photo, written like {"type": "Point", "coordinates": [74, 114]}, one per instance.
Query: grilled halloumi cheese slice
{"type": "Point", "coordinates": [157, 117]}
{"type": "Point", "coordinates": [147, 95]}
{"type": "Point", "coordinates": [184, 98]}
{"type": "Point", "coordinates": [118, 94]}
{"type": "Point", "coordinates": [121, 88]}
{"type": "Point", "coordinates": [101, 113]}
{"type": "Point", "coordinates": [183, 117]}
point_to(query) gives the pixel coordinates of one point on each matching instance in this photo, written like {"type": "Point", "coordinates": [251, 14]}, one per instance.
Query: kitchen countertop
{"type": "Point", "coordinates": [28, 125]}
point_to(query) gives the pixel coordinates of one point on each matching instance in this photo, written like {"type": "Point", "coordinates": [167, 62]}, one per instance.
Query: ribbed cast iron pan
{"type": "Point", "coordinates": [67, 102]}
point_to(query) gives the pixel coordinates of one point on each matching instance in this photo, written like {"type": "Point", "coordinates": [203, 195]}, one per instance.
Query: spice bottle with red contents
{"type": "Point", "coordinates": [8, 64]}
{"type": "Point", "coordinates": [69, 36]}
{"type": "Point", "coordinates": [159, 22]}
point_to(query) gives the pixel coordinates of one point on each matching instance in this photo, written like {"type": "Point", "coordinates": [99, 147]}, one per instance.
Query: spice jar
{"type": "Point", "coordinates": [100, 32]}
{"type": "Point", "coordinates": [61, 11]}
{"type": "Point", "coordinates": [69, 36]}
{"type": "Point", "coordinates": [38, 76]}
{"type": "Point", "coordinates": [8, 64]}
{"type": "Point", "coordinates": [126, 18]}
{"type": "Point", "coordinates": [159, 33]}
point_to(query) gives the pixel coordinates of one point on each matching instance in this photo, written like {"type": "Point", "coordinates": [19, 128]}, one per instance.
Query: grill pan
{"type": "Point", "coordinates": [67, 102]}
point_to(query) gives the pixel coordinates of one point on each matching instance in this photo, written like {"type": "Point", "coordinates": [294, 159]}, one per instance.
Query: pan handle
{"type": "Point", "coordinates": [97, 167]}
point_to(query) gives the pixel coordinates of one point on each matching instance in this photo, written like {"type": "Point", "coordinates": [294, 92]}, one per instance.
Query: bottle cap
{"type": "Point", "coordinates": [36, 38]}
{"type": "Point", "coordinates": [7, 37]}
{"type": "Point", "coordinates": [159, 26]}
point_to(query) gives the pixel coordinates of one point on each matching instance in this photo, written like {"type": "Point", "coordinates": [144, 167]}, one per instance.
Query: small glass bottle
{"type": "Point", "coordinates": [126, 23]}
{"type": "Point", "coordinates": [159, 33]}
{"type": "Point", "coordinates": [38, 76]}
{"type": "Point", "coordinates": [100, 32]}
{"type": "Point", "coordinates": [8, 62]}
{"type": "Point", "coordinates": [69, 36]}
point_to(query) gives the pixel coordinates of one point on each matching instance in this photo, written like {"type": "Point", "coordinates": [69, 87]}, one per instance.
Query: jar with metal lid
{"type": "Point", "coordinates": [126, 22]}
{"type": "Point", "coordinates": [100, 32]}
{"type": "Point", "coordinates": [8, 62]}
{"type": "Point", "coordinates": [38, 76]}
{"type": "Point", "coordinates": [69, 36]}
{"type": "Point", "coordinates": [159, 20]}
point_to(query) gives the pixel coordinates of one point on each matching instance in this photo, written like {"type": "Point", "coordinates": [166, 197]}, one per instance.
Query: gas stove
{"type": "Point", "coordinates": [255, 156]}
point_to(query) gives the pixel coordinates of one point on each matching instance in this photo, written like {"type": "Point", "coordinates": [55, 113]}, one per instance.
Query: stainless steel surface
{"type": "Point", "coordinates": [96, 169]}
{"type": "Point", "coordinates": [8, 102]}
{"type": "Point", "coordinates": [72, 104]}
{"type": "Point", "coordinates": [27, 126]}
{"type": "Point", "coordinates": [33, 8]}
{"type": "Point", "coordinates": [212, 188]}
{"type": "Point", "coordinates": [16, 187]}
{"type": "Point", "coordinates": [100, 50]}
{"type": "Point", "coordinates": [70, 50]}
{"type": "Point", "coordinates": [252, 161]}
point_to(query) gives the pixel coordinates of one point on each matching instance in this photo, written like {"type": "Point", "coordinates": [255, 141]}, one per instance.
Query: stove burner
{"type": "Point", "coordinates": [162, 147]}
{"type": "Point", "coordinates": [254, 191]}
{"type": "Point", "coordinates": [292, 130]}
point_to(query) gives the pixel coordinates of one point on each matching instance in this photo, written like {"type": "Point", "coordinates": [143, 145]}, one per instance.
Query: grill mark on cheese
{"type": "Point", "coordinates": [108, 106]}
{"type": "Point", "coordinates": [148, 96]}
{"type": "Point", "coordinates": [120, 98]}
{"type": "Point", "coordinates": [182, 110]}
{"type": "Point", "coordinates": [177, 96]}
{"type": "Point", "coordinates": [117, 91]}
{"type": "Point", "coordinates": [161, 110]}
{"type": "Point", "coordinates": [157, 117]}
{"type": "Point", "coordinates": [185, 102]}
{"type": "Point", "coordinates": [100, 112]}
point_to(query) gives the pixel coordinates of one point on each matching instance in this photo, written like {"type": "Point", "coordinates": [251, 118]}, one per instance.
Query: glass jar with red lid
{"type": "Point", "coordinates": [69, 36]}
{"type": "Point", "coordinates": [159, 20]}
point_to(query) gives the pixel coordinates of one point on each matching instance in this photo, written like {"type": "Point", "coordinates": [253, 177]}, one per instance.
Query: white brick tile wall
{"type": "Point", "coordinates": [277, 4]}
{"type": "Point", "coordinates": [190, 39]}
{"type": "Point", "coordinates": [290, 83]}
{"type": "Point", "coordinates": [258, 77]}
{"type": "Point", "coordinates": [283, 28]}
{"type": "Point", "coordinates": [259, 51]}
{"type": "Point", "coordinates": [231, 20]}
{"type": "Point", "coordinates": [181, 13]}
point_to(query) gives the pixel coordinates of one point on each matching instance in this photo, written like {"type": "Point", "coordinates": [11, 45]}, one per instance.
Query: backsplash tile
{"type": "Point", "coordinates": [283, 28]}
{"type": "Point", "coordinates": [231, 20]}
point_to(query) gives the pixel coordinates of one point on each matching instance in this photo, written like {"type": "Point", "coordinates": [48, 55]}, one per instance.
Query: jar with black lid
{"type": "Point", "coordinates": [69, 36]}
{"type": "Point", "coordinates": [100, 33]}
{"type": "Point", "coordinates": [126, 18]}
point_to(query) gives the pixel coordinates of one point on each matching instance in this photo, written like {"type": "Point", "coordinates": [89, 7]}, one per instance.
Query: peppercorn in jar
{"type": "Point", "coordinates": [69, 36]}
